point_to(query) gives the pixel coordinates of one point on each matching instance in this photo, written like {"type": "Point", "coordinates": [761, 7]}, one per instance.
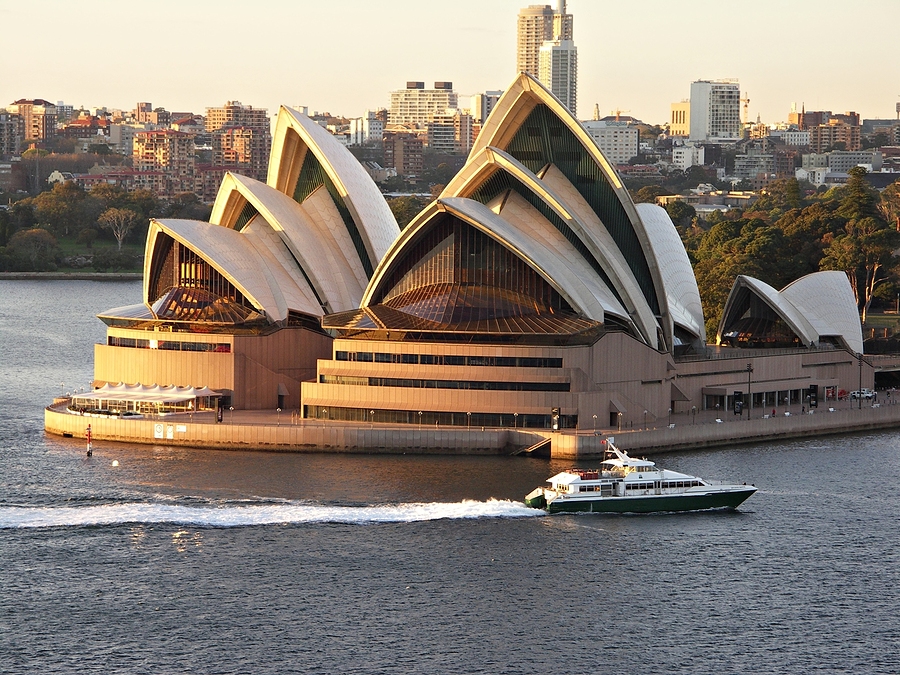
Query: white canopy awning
{"type": "Point", "coordinates": [146, 393]}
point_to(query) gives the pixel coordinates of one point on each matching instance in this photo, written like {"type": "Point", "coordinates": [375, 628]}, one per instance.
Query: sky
{"type": "Point", "coordinates": [345, 56]}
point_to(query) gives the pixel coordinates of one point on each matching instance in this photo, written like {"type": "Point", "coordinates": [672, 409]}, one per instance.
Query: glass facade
{"type": "Point", "coordinates": [248, 212]}
{"type": "Point", "coordinates": [441, 419]}
{"type": "Point", "coordinates": [409, 383]}
{"type": "Point", "coordinates": [754, 324]}
{"type": "Point", "coordinates": [451, 360]}
{"type": "Point", "coordinates": [171, 345]}
{"type": "Point", "coordinates": [457, 278]}
{"type": "Point", "coordinates": [187, 288]}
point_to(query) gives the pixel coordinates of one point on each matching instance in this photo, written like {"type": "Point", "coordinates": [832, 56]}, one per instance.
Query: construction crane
{"type": "Point", "coordinates": [618, 113]}
{"type": "Point", "coordinates": [746, 101]}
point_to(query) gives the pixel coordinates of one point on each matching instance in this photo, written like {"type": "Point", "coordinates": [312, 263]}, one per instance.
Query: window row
{"type": "Point", "coordinates": [450, 360]}
{"type": "Point", "coordinates": [443, 384]}
{"type": "Point", "coordinates": [171, 345]}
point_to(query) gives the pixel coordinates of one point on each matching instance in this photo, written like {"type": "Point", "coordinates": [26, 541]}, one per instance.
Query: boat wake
{"type": "Point", "coordinates": [23, 517]}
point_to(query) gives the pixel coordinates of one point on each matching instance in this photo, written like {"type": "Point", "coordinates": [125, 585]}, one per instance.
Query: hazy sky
{"type": "Point", "coordinates": [344, 56]}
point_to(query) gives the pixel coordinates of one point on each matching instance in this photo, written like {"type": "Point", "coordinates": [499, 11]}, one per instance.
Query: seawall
{"type": "Point", "coordinates": [71, 276]}
{"type": "Point", "coordinates": [263, 430]}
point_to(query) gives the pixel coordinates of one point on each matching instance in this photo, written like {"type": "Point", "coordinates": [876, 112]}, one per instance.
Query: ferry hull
{"type": "Point", "coordinates": [652, 503]}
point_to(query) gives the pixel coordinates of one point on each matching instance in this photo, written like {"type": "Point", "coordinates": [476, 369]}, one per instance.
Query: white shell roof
{"type": "Point", "coordinates": [314, 232]}
{"type": "Point", "coordinates": [779, 303]}
{"type": "Point", "coordinates": [567, 203]}
{"type": "Point", "coordinates": [826, 300]}
{"type": "Point", "coordinates": [675, 266]}
{"type": "Point", "coordinates": [531, 237]}
{"type": "Point", "coordinates": [507, 117]}
{"type": "Point", "coordinates": [244, 266]}
{"type": "Point", "coordinates": [368, 208]}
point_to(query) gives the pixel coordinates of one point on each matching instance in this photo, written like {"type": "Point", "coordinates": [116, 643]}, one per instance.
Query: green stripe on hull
{"type": "Point", "coordinates": [651, 504]}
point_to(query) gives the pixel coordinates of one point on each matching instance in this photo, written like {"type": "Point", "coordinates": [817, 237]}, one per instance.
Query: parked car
{"type": "Point", "coordinates": [862, 393]}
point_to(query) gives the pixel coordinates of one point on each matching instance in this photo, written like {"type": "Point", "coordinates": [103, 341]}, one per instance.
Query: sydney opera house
{"type": "Point", "coordinates": [533, 293]}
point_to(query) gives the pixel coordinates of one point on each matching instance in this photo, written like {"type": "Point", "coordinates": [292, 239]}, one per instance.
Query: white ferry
{"type": "Point", "coordinates": [626, 485]}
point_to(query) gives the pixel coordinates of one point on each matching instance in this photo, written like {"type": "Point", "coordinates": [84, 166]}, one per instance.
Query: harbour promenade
{"type": "Point", "coordinates": [286, 432]}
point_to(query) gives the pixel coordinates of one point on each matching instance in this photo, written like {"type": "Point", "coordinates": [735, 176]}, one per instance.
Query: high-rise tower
{"type": "Point", "coordinates": [537, 25]}
{"type": "Point", "coordinates": [545, 49]}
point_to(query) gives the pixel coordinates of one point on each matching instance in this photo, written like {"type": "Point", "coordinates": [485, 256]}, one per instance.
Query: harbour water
{"type": "Point", "coordinates": [148, 559]}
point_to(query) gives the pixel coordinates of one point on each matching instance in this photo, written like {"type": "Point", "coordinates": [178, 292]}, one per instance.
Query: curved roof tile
{"type": "Point", "coordinates": [675, 266]}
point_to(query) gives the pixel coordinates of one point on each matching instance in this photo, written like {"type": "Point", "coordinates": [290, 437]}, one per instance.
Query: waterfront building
{"type": "Point", "coordinates": [243, 148]}
{"type": "Point", "coordinates": [450, 133]}
{"type": "Point", "coordinates": [532, 293]}
{"type": "Point", "coordinates": [235, 303]}
{"type": "Point", "coordinates": [715, 111]}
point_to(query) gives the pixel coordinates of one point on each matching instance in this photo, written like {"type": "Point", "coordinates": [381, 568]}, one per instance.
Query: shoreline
{"type": "Point", "coordinates": [267, 431]}
{"type": "Point", "coordinates": [71, 276]}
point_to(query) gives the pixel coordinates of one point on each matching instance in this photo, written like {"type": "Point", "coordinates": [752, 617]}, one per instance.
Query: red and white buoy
{"type": "Point", "coordinates": [90, 449]}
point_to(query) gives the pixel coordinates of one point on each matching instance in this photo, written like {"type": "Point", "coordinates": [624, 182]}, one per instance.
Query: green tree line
{"type": "Point", "coordinates": [98, 221]}
{"type": "Point", "coordinates": [787, 234]}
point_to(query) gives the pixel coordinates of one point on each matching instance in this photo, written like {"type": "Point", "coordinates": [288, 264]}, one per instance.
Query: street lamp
{"type": "Point", "coordinates": [645, 420]}
{"type": "Point", "coordinates": [515, 420]}
{"type": "Point", "coordinates": [469, 420]}
{"type": "Point", "coordinates": [595, 423]}
{"type": "Point", "coordinates": [231, 408]}
{"type": "Point", "coordinates": [372, 413]}
{"type": "Point", "coordinates": [693, 414]}
{"type": "Point", "coordinates": [749, 397]}
{"type": "Point", "coordinates": [619, 418]}
{"type": "Point", "coordinates": [420, 419]}
{"type": "Point", "coordinates": [278, 410]}
{"type": "Point", "coordinates": [670, 416]}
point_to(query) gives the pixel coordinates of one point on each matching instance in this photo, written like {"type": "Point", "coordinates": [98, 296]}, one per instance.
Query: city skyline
{"type": "Point", "coordinates": [342, 57]}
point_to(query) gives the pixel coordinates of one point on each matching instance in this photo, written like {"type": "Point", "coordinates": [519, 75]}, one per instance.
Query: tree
{"type": "Point", "coordinates": [681, 213]}
{"type": "Point", "coordinates": [119, 222]}
{"type": "Point", "coordinates": [866, 254]}
{"type": "Point", "coordinates": [889, 206]}
{"type": "Point", "coordinates": [36, 248]}
{"type": "Point", "coordinates": [858, 199]}
{"type": "Point", "coordinates": [405, 209]}
{"type": "Point", "coordinates": [648, 194]}
{"type": "Point", "coordinates": [59, 208]}
{"type": "Point", "coordinates": [7, 228]}
{"type": "Point", "coordinates": [187, 205]}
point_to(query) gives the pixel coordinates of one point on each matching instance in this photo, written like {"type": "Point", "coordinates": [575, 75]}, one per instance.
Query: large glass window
{"type": "Point", "coordinates": [458, 276]}
{"type": "Point", "coordinates": [187, 288]}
